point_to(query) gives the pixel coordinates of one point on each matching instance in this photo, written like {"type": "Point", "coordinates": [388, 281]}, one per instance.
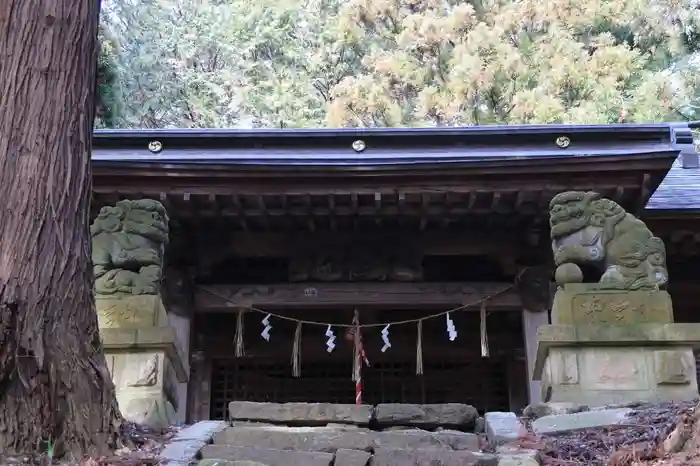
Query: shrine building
{"type": "Point", "coordinates": [280, 241]}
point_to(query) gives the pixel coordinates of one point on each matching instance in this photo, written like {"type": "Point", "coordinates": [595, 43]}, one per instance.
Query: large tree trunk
{"type": "Point", "coordinates": [54, 382]}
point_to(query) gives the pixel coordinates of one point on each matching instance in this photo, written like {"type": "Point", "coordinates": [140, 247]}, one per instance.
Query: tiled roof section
{"type": "Point", "coordinates": [680, 190]}
{"type": "Point", "coordinates": [381, 146]}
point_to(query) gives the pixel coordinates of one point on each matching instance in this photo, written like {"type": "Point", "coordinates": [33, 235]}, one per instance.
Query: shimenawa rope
{"type": "Point", "coordinates": [326, 324]}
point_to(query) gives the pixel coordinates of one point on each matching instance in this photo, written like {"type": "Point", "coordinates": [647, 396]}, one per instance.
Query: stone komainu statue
{"type": "Point", "coordinates": [128, 244]}
{"type": "Point", "coordinates": [589, 229]}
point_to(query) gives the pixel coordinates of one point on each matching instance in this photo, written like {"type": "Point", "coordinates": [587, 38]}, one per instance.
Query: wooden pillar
{"type": "Point", "coordinates": [199, 392]}
{"type": "Point", "coordinates": [518, 396]}
{"type": "Point", "coordinates": [531, 322]}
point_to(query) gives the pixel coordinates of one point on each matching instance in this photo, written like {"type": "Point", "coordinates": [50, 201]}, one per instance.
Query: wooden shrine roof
{"type": "Point", "coordinates": [486, 167]}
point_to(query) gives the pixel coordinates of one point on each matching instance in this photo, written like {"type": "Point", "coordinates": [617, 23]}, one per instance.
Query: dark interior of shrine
{"type": "Point", "coordinates": [453, 371]}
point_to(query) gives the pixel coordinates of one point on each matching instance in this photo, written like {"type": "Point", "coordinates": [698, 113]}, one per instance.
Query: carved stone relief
{"type": "Point", "coordinates": [145, 374]}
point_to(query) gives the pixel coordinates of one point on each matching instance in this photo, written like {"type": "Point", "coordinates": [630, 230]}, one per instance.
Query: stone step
{"type": "Point", "coordinates": [456, 415]}
{"type": "Point", "coordinates": [432, 415]}
{"type": "Point", "coordinates": [422, 457]}
{"type": "Point", "coordinates": [300, 413]}
{"type": "Point", "coordinates": [227, 455]}
{"type": "Point", "coordinates": [330, 440]}
{"type": "Point", "coordinates": [341, 458]}
{"type": "Point", "coordinates": [267, 456]}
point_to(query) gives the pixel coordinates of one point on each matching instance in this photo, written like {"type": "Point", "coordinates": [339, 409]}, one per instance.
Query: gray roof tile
{"type": "Point", "coordinates": [680, 190]}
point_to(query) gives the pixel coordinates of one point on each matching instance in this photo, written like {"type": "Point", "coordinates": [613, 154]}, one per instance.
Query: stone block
{"type": "Point", "coordinates": [479, 425]}
{"type": "Point", "coordinates": [563, 423]}
{"type": "Point", "coordinates": [267, 456]}
{"type": "Point", "coordinates": [304, 440]}
{"type": "Point", "coordinates": [502, 427]}
{"type": "Point", "coordinates": [422, 439]}
{"type": "Point", "coordinates": [130, 311]}
{"type": "Point", "coordinates": [586, 303]}
{"type": "Point", "coordinates": [301, 413]}
{"type": "Point", "coordinates": [331, 440]}
{"type": "Point", "coordinates": [345, 457]}
{"type": "Point", "coordinates": [615, 364]}
{"type": "Point", "coordinates": [401, 457]}
{"type": "Point", "coordinates": [447, 414]}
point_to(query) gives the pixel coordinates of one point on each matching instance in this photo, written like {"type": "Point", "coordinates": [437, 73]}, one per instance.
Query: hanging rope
{"type": "Point", "coordinates": [351, 326]}
{"type": "Point", "coordinates": [296, 352]}
{"type": "Point", "coordinates": [239, 349]}
{"type": "Point", "coordinates": [484, 335]}
{"type": "Point", "coordinates": [419, 349]}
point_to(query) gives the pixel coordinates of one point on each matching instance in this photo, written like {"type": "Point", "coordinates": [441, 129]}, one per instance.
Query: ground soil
{"type": "Point", "coordinates": [665, 434]}
{"type": "Point", "coordinates": [143, 448]}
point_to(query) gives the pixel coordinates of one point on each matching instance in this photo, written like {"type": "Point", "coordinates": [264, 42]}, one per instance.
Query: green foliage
{"type": "Point", "coordinates": [108, 95]}
{"type": "Point", "coordinates": [206, 63]}
{"type": "Point", "coordinates": [310, 63]}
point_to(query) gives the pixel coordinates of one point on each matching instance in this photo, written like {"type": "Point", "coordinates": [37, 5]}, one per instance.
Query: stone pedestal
{"type": "Point", "coordinates": [609, 346]}
{"type": "Point", "coordinates": [586, 303]}
{"type": "Point", "coordinates": [600, 364]}
{"type": "Point", "coordinates": [144, 357]}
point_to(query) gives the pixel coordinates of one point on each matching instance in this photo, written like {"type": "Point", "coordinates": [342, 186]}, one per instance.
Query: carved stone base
{"type": "Point", "coordinates": [146, 365]}
{"type": "Point", "coordinates": [586, 303]}
{"type": "Point", "coordinates": [608, 364]}
{"type": "Point", "coordinates": [130, 311]}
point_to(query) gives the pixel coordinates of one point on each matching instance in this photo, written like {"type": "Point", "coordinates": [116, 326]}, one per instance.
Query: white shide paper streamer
{"type": "Point", "coordinates": [266, 331]}
{"type": "Point", "coordinates": [330, 343]}
{"type": "Point", "coordinates": [451, 330]}
{"type": "Point", "coordinates": [385, 338]}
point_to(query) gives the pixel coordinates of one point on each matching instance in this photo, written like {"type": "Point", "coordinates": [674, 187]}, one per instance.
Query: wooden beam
{"type": "Point", "coordinates": [247, 244]}
{"type": "Point", "coordinates": [227, 298]}
{"type": "Point", "coordinates": [434, 211]}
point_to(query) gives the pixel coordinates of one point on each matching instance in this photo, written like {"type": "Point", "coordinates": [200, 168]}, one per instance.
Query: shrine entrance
{"type": "Point", "coordinates": [452, 371]}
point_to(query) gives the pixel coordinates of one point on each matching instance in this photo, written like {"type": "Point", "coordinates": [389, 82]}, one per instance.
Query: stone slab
{"type": "Point", "coordinates": [502, 427]}
{"type": "Point", "coordinates": [400, 457]}
{"type": "Point", "coordinates": [202, 430]}
{"type": "Point", "coordinates": [306, 413]}
{"type": "Point", "coordinates": [563, 423]}
{"type": "Point", "coordinates": [331, 440]}
{"type": "Point", "coordinates": [585, 303]}
{"type": "Point", "coordinates": [452, 414]}
{"type": "Point", "coordinates": [218, 462]}
{"type": "Point", "coordinates": [524, 459]}
{"type": "Point", "coordinates": [632, 336]}
{"type": "Point", "coordinates": [181, 453]}
{"type": "Point", "coordinates": [326, 441]}
{"type": "Point", "coordinates": [186, 444]}
{"type": "Point", "coordinates": [345, 457]}
{"type": "Point", "coordinates": [267, 456]}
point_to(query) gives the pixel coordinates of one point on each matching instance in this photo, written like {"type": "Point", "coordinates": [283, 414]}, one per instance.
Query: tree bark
{"type": "Point", "coordinates": [55, 388]}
